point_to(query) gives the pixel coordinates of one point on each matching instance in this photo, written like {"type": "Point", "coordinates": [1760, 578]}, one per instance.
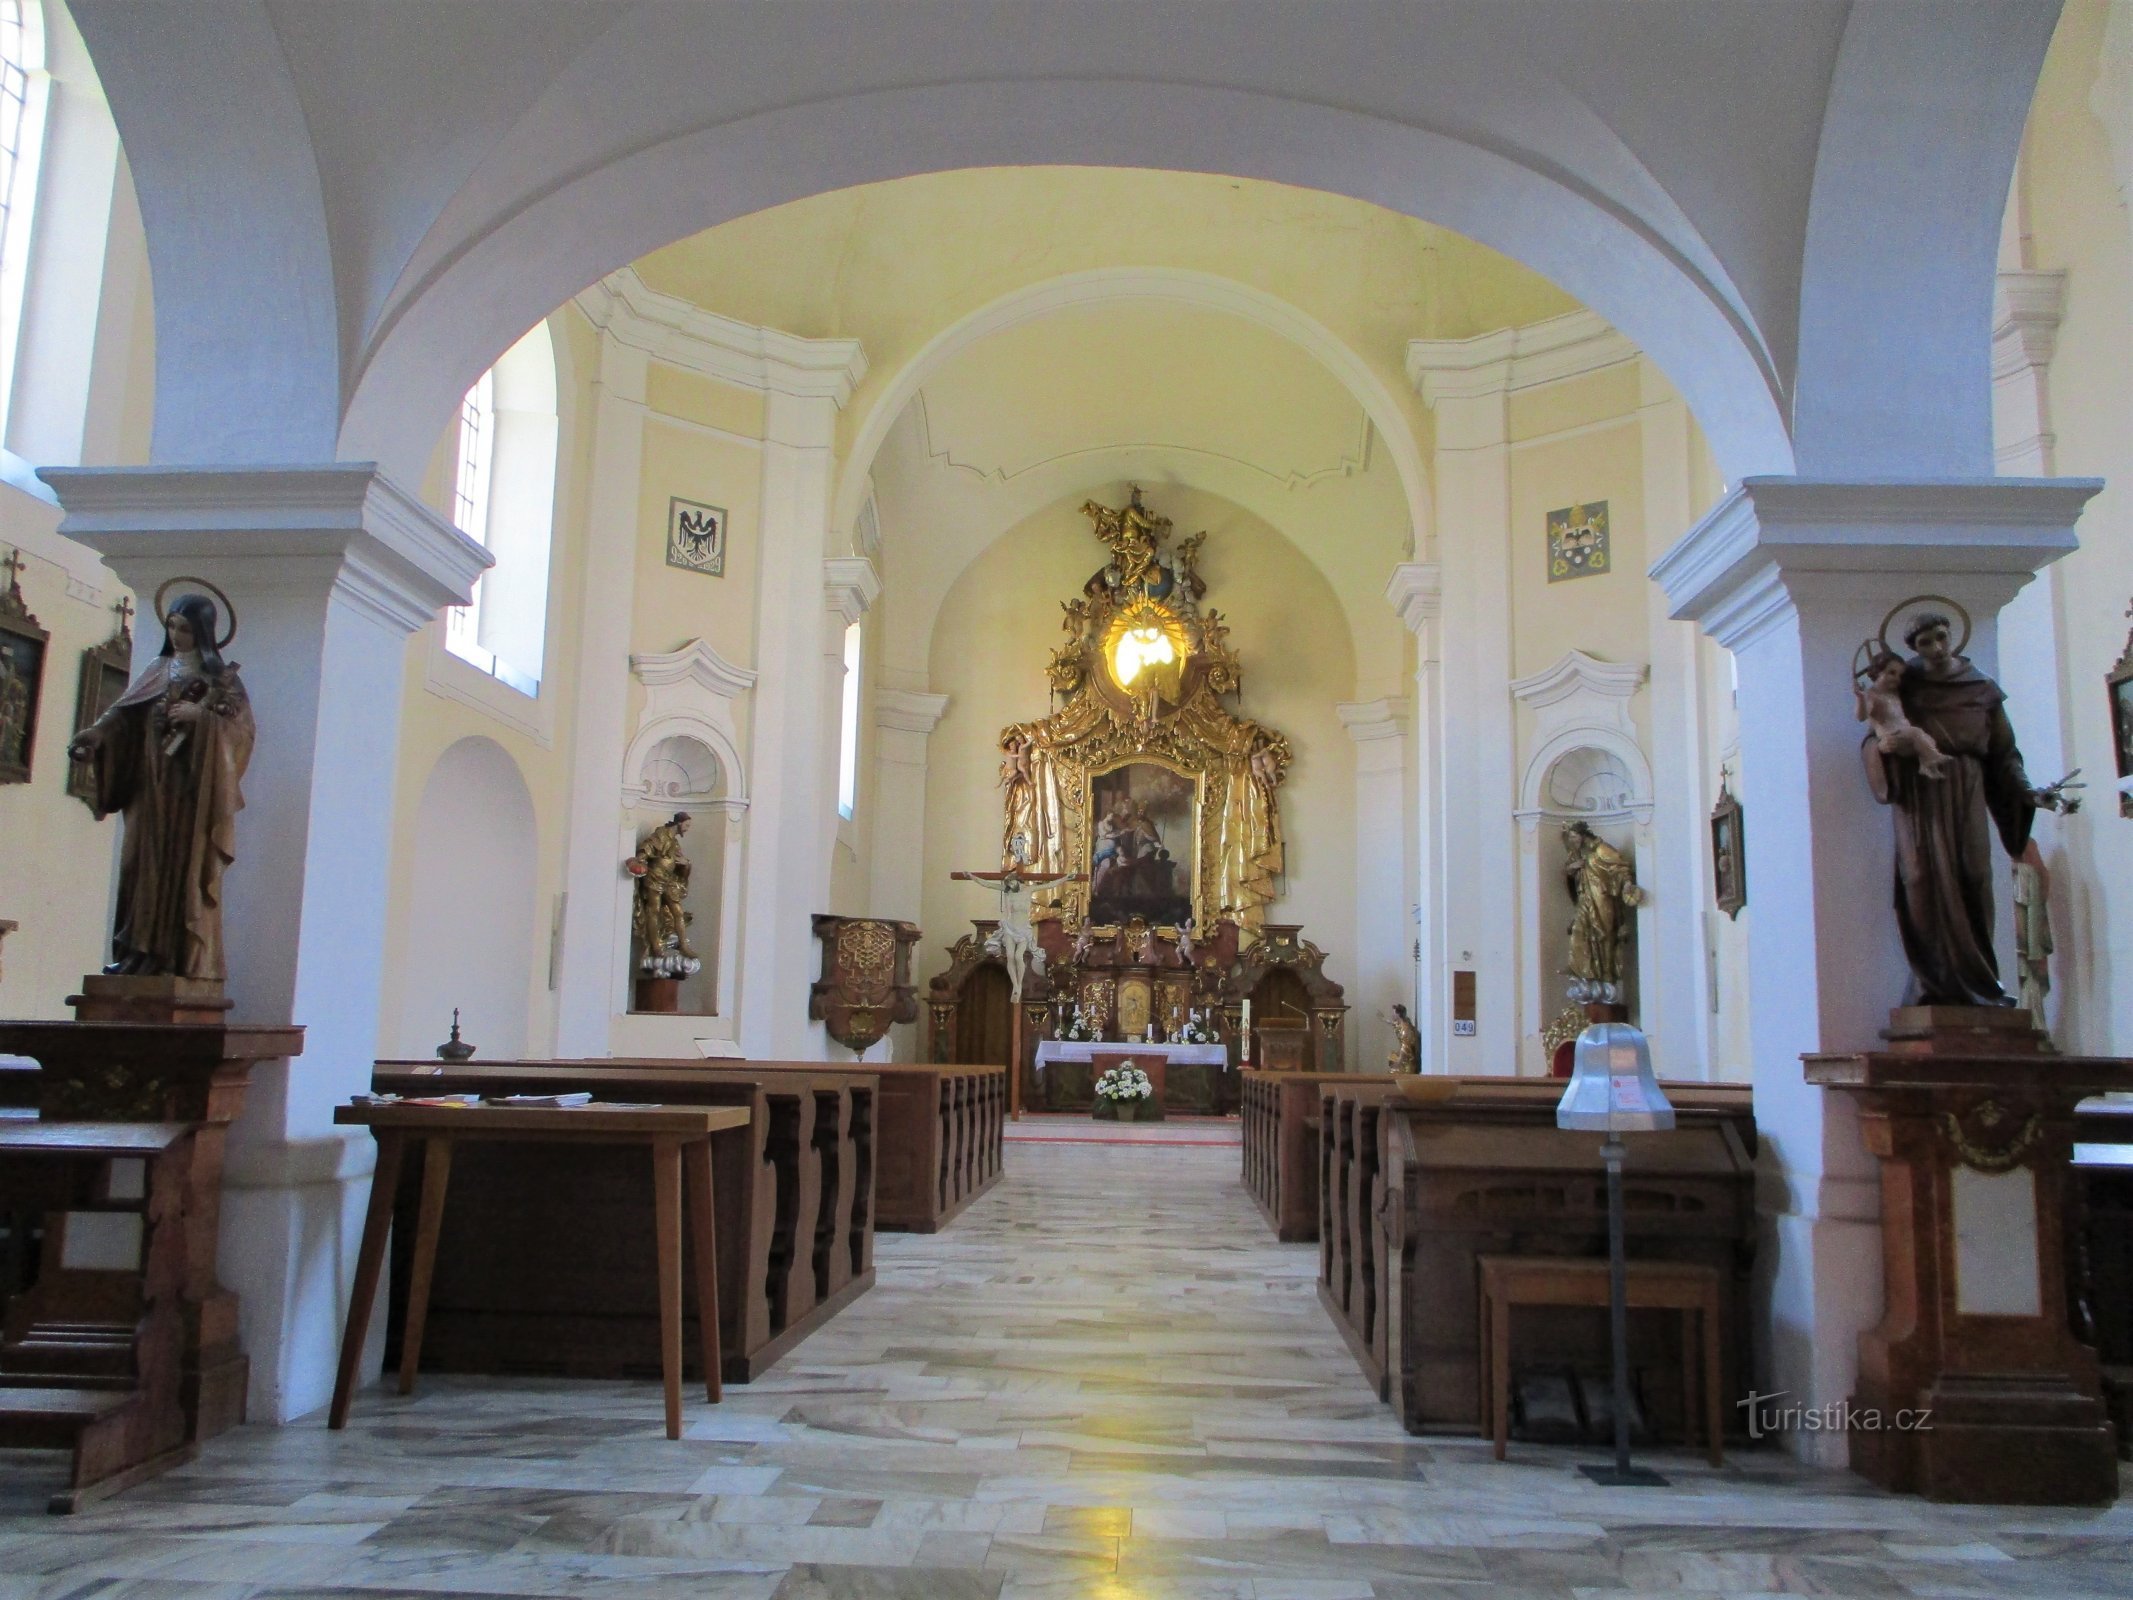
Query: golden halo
{"type": "Point", "coordinates": [1918, 600]}
{"type": "Point", "coordinates": [230, 611]}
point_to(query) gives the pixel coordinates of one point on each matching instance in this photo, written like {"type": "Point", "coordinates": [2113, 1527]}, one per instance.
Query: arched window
{"type": "Point", "coordinates": [23, 92]}
{"type": "Point", "coordinates": [848, 731]}
{"type": "Point", "coordinates": [503, 498]}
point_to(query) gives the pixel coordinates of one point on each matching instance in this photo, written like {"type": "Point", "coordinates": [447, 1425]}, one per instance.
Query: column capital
{"type": "Point", "coordinates": [1416, 592]}
{"type": "Point", "coordinates": [909, 710]}
{"type": "Point", "coordinates": [1746, 565]}
{"type": "Point", "coordinates": [345, 525]}
{"type": "Point", "coordinates": [1369, 721]}
{"type": "Point", "coordinates": [850, 586]}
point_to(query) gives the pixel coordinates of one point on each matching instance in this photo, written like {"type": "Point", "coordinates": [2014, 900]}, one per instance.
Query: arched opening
{"type": "Point", "coordinates": [469, 934]}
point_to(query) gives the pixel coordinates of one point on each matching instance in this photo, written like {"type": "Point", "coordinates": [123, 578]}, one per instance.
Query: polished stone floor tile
{"type": "Point", "coordinates": [1105, 1381]}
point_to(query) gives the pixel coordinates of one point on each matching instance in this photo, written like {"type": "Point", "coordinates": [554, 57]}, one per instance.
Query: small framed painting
{"type": "Point", "coordinates": [1577, 542]}
{"type": "Point", "coordinates": [22, 646]}
{"type": "Point", "coordinates": [1729, 860]}
{"type": "Point", "coordinates": [103, 680]}
{"type": "Point", "coordinates": [696, 537]}
{"type": "Point", "coordinates": [2119, 683]}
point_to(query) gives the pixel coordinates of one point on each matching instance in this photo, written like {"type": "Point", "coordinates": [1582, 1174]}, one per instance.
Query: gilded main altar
{"type": "Point", "coordinates": [1143, 782]}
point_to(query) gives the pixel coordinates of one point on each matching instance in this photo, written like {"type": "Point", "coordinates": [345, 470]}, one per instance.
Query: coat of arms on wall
{"type": "Point", "coordinates": [696, 537]}
{"type": "Point", "coordinates": [1577, 542]}
{"type": "Point", "coordinates": [22, 646]}
{"type": "Point", "coordinates": [1143, 782]}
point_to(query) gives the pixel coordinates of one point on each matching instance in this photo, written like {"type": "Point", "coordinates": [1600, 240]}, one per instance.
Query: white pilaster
{"type": "Point", "coordinates": [1383, 929]}
{"type": "Point", "coordinates": [1791, 575]}
{"type": "Point", "coordinates": [1467, 385]}
{"type": "Point", "coordinates": [1416, 593]}
{"type": "Point", "coordinates": [1674, 1005]}
{"type": "Point", "coordinates": [593, 976]}
{"type": "Point", "coordinates": [904, 720]}
{"type": "Point", "coordinates": [329, 569]}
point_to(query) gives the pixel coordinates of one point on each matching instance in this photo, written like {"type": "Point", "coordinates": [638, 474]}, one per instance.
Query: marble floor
{"type": "Point", "coordinates": [1105, 1380]}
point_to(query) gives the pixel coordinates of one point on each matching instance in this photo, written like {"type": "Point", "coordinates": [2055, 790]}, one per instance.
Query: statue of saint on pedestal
{"type": "Point", "coordinates": [170, 754]}
{"type": "Point", "coordinates": [658, 918]}
{"type": "Point", "coordinates": [1947, 809]}
{"type": "Point", "coordinates": [1603, 887]}
{"type": "Point", "coordinates": [1406, 1052]}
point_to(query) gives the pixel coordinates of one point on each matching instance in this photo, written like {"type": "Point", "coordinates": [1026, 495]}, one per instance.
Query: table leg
{"type": "Point", "coordinates": [666, 1208]}
{"type": "Point", "coordinates": [1713, 1383]}
{"type": "Point", "coordinates": [370, 1260]}
{"type": "Point", "coordinates": [436, 1174]}
{"type": "Point", "coordinates": [703, 1230]}
{"type": "Point", "coordinates": [1688, 1381]}
{"type": "Point", "coordinates": [1500, 1372]}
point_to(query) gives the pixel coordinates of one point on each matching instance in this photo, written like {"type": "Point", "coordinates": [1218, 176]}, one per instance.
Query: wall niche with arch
{"type": "Point", "coordinates": [686, 759]}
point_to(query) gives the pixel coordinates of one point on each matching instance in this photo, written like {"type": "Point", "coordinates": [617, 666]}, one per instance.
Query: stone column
{"type": "Point", "coordinates": [1382, 925]}
{"type": "Point", "coordinates": [1791, 575]}
{"type": "Point", "coordinates": [592, 977]}
{"type": "Point", "coordinates": [329, 569]}
{"type": "Point", "coordinates": [904, 720]}
{"type": "Point", "coordinates": [1416, 593]}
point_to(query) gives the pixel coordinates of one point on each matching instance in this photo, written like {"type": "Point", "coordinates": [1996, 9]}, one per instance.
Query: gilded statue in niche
{"type": "Point", "coordinates": [1143, 782]}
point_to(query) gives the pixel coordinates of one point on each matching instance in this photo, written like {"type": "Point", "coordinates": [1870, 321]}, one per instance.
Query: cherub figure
{"type": "Point", "coordinates": [1076, 620]}
{"type": "Point", "coordinates": [1880, 706]}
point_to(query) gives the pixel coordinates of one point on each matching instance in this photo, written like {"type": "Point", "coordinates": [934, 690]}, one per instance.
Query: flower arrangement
{"type": "Point", "coordinates": [1124, 1083]}
{"type": "Point", "coordinates": [1195, 1029]}
{"type": "Point", "coordinates": [1079, 1027]}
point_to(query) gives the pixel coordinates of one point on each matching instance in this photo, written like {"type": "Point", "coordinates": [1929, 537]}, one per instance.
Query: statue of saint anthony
{"type": "Point", "coordinates": [1945, 823]}
{"type": "Point", "coordinates": [170, 754]}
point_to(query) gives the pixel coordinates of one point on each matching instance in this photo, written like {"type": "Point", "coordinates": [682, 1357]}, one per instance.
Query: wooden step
{"type": "Point", "coordinates": [38, 1418]}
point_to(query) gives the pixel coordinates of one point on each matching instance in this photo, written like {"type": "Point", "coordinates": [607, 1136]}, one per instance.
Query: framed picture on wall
{"type": "Point", "coordinates": [1578, 542]}
{"type": "Point", "coordinates": [1729, 856]}
{"type": "Point", "coordinates": [22, 646]}
{"type": "Point", "coordinates": [103, 679]}
{"type": "Point", "coordinates": [2119, 682]}
{"type": "Point", "coordinates": [696, 537]}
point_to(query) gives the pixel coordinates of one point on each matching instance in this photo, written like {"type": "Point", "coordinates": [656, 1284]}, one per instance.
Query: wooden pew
{"type": "Point", "coordinates": [1413, 1193]}
{"type": "Point", "coordinates": [939, 1134]}
{"type": "Point", "coordinates": [91, 1353]}
{"type": "Point", "coordinates": [1279, 1116]}
{"type": "Point", "coordinates": [557, 1294]}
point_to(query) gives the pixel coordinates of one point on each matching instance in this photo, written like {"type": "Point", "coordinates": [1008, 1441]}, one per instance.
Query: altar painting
{"type": "Point", "coordinates": [1143, 844]}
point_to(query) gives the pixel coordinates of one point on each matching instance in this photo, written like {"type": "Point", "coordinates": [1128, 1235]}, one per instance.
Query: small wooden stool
{"type": "Point", "coordinates": [1683, 1286]}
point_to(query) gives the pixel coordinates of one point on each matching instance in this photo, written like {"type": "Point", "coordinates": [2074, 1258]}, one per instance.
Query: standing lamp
{"type": "Point", "coordinates": [1612, 1091]}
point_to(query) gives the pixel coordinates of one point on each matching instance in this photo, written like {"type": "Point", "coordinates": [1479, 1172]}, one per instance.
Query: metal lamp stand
{"type": "Point", "coordinates": [1621, 1475]}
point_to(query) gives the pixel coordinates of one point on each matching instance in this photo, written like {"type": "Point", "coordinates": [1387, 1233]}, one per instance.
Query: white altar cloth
{"type": "Point", "coordinates": [1202, 1055]}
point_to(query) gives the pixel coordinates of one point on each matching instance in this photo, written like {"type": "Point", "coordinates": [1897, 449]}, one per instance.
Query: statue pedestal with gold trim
{"type": "Point", "coordinates": [1974, 1387]}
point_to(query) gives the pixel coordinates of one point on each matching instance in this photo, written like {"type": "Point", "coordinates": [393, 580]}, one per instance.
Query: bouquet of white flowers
{"type": "Point", "coordinates": [1124, 1083]}
{"type": "Point", "coordinates": [1079, 1027]}
{"type": "Point", "coordinates": [1195, 1029]}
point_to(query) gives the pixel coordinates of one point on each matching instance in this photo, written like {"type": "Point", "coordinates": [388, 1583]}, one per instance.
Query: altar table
{"type": "Point", "coordinates": [679, 1138]}
{"type": "Point", "coordinates": [1070, 1088]}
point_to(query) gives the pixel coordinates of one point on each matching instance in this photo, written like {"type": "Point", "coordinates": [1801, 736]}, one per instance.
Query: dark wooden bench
{"type": "Point", "coordinates": [795, 1203]}
{"type": "Point", "coordinates": [90, 1352]}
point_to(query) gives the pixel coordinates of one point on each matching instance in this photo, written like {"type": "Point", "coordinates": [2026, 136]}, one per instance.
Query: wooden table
{"type": "Point", "coordinates": [1685, 1286]}
{"type": "Point", "coordinates": [679, 1138]}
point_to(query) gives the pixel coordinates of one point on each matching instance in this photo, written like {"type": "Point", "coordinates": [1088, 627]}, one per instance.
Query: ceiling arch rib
{"type": "Point", "coordinates": [1093, 291]}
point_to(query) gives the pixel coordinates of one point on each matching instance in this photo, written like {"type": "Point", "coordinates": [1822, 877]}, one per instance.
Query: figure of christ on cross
{"type": "Point", "coordinates": [1014, 941]}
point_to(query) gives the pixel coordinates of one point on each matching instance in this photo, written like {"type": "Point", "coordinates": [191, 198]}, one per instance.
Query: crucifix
{"type": "Point", "coordinates": [12, 566]}
{"type": "Point", "coordinates": [1015, 943]}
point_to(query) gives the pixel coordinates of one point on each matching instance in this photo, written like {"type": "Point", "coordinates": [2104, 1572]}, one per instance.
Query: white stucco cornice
{"type": "Point", "coordinates": [682, 334]}
{"type": "Point", "coordinates": [1369, 721]}
{"type": "Point", "coordinates": [2027, 309]}
{"type": "Point", "coordinates": [1507, 360]}
{"type": "Point", "coordinates": [1578, 673]}
{"type": "Point", "coordinates": [695, 663]}
{"type": "Point", "coordinates": [1732, 572]}
{"type": "Point", "coordinates": [909, 710]}
{"type": "Point", "coordinates": [850, 586]}
{"type": "Point", "coordinates": [390, 554]}
{"type": "Point", "coordinates": [1416, 592]}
